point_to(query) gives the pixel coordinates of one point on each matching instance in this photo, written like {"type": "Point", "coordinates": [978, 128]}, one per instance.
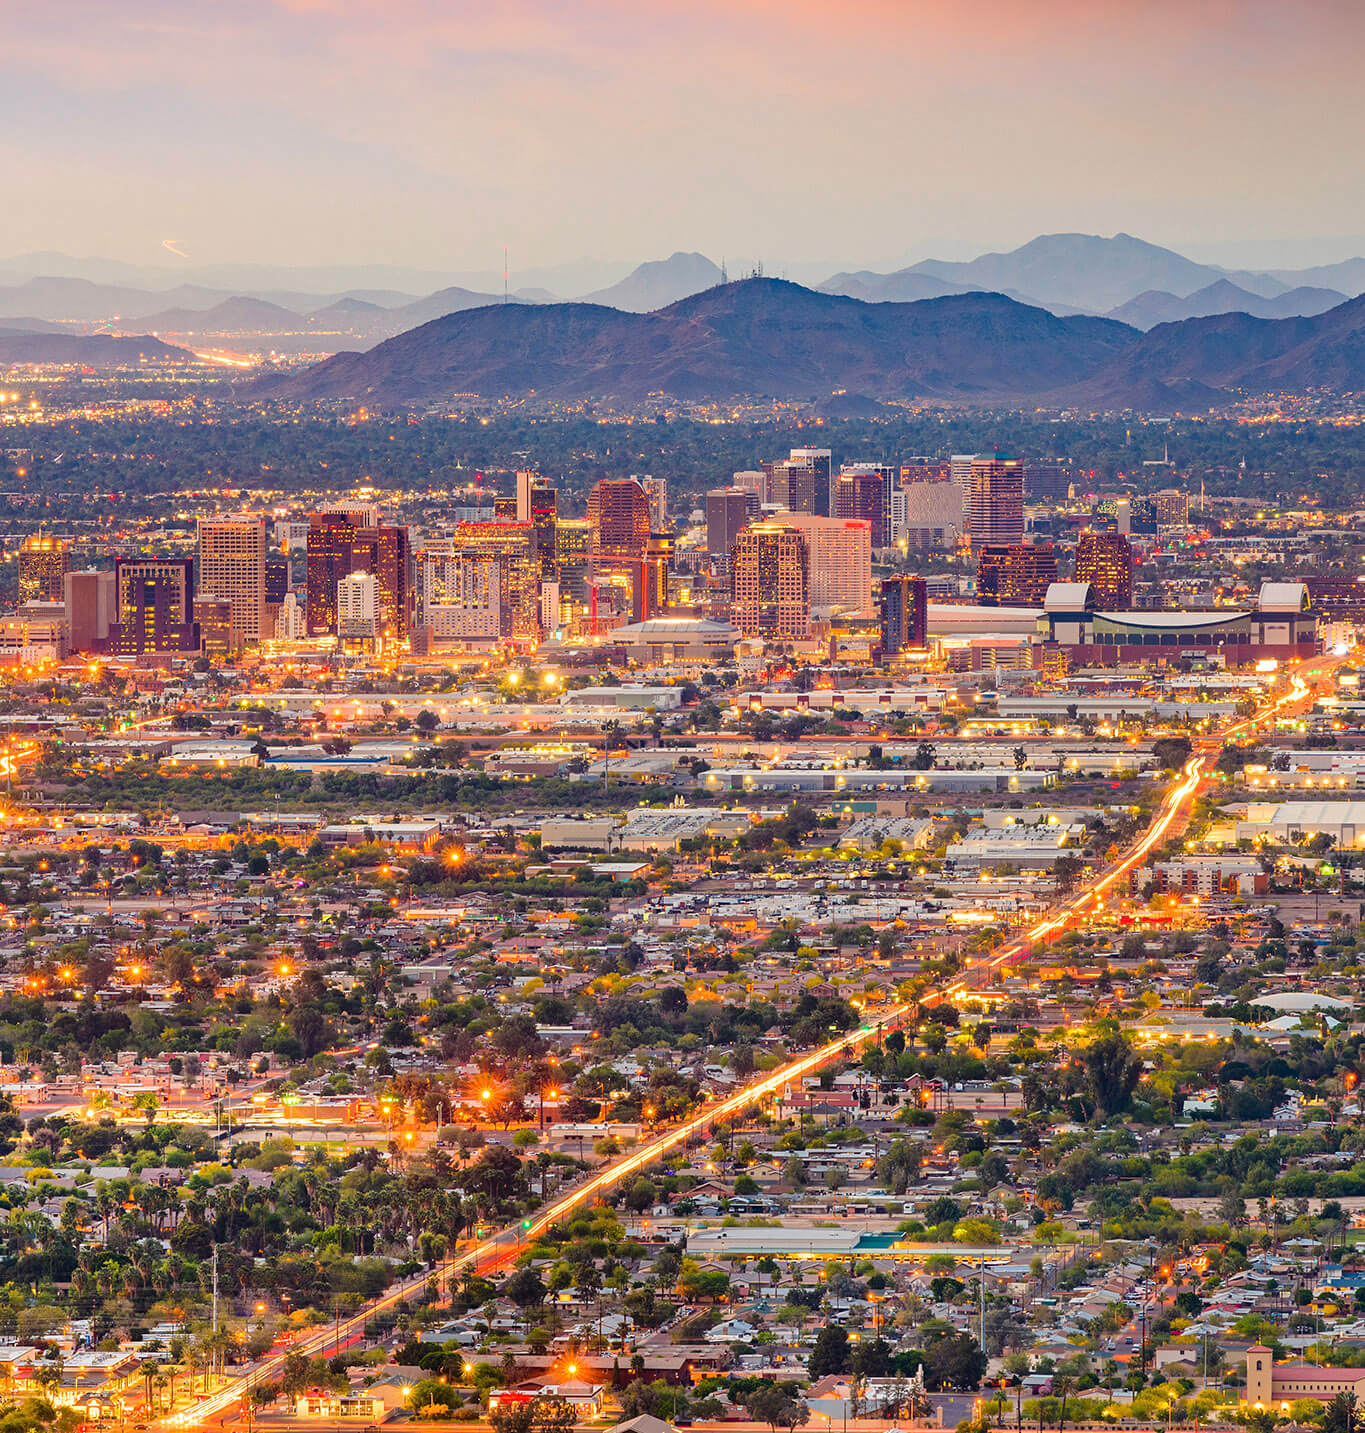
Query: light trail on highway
{"type": "Point", "coordinates": [493, 1251]}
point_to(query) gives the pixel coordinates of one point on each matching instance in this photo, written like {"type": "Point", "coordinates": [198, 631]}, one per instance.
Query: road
{"type": "Point", "coordinates": [500, 1248]}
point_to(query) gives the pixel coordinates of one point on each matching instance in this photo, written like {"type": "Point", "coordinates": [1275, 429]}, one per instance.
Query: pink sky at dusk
{"type": "Point", "coordinates": [311, 131]}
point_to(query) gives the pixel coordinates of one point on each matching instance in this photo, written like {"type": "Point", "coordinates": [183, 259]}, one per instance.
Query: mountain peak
{"type": "Point", "coordinates": [659, 282]}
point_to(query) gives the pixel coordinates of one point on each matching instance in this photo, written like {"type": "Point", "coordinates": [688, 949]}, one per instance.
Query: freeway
{"type": "Point", "coordinates": [498, 1249]}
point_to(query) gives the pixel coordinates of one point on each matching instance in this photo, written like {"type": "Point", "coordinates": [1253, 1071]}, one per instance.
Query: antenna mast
{"type": "Point", "coordinates": [505, 273]}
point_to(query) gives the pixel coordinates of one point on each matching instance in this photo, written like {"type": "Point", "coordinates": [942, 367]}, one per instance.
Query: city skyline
{"type": "Point", "coordinates": [290, 132]}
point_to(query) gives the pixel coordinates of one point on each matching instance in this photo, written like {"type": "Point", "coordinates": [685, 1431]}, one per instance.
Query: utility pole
{"type": "Point", "coordinates": [981, 1280]}
{"type": "Point", "coordinates": [215, 1291]}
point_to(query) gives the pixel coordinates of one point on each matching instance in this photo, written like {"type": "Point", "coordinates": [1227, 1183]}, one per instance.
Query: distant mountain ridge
{"type": "Point", "coordinates": [97, 350]}
{"type": "Point", "coordinates": [766, 337]}
{"type": "Point", "coordinates": [657, 284]}
{"type": "Point", "coordinates": [1223, 296]}
{"type": "Point", "coordinates": [758, 336]}
{"type": "Point", "coordinates": [1206, 359]}
{"type": "Point", "coordinates": [1064, 273]}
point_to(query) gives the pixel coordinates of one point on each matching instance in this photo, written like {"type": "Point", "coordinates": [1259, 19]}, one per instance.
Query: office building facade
{"type": "Point", "coordinates": [903, 610]}
{"type": "Point", "coordinates": [769, 583]}
{"type": "Point", "coordinates": [43, 564]}
{"type": "Point", "coordinates": [927, 512]}
{"type": "Point", "coordinates": [232, 557]}
{"type": "Point", "coordinates": [1015, 574]}
{"type": "Point", "coordinates": [91, 601]}
{"type": "Point", "coordinates": [863, 491]}
{"type": "Point", "coordinates": [618, 515]}
{"type": "Point", "coordinates": [1105, 561]}
{"type": "Point", "coordinates": [839, 561]}
{"type": "Point", "coordinates": [155, 605]}
{"type": "Point", "coordinates": [512, 546]}
{"type": "Point", "coordinates": [728, 512]}
{"type": "Point", "coordinates": [995, 502]}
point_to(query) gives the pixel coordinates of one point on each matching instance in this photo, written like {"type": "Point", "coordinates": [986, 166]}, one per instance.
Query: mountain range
{"type": "Point", "coordinates": [96, 350]}
{"type": "Point", "coordinates": [1120, 277]}
{"type": "Point", "coordinates": [767, 337]}
{"type": "Point", "coordinates": [1059, 320]}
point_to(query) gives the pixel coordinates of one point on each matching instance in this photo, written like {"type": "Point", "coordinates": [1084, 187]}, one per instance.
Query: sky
{"type": "Point", "coordinates": [865, 133]}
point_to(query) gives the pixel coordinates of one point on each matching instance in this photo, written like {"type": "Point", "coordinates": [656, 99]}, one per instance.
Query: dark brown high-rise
{"type": "Point", "coordinates": [329, 560]}
{"type": "Point", "coordinates": [618, 513]}
{"type": "Point", "coordinates": [154, 606]}
{"type": "Point", "coordinates": [383, 553]}
{"type": "Point", "coordinates": [863, 491]}
{"type": "Point", "coordinates": [1105, 561]}
{"type": "Point", "coordinates": [1015, 574]}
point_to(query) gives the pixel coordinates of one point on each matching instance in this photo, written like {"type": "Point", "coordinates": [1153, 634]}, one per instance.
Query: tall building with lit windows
{"type": "Point", "coordinates": [155, 598]}
{"type": "Point", "coordinates": [340, 543]}
{"type": "Point", "coordinates": [329, 560]}
{"type": "Point", "coordinates": [232, 557]}
{"type": "Point", "coordinates": [864, 491]}
{"type": "Point", "coordinates": [838, 561]}
{"type": "Point", "coordinates": [358, 615]}
{"type": "Point", "coordinates": [618, 514]}
{"type": "Point", "coordinates": [769, 583]}
{"type": "Point", "coordinates": [512, 546]}
{"type": "Point", "coordinates": [995, 501]}
{"type": "Point", "coordinates": [43, 564]}
{"type": "Point", "coordinates": [1016, 574]}
{"type": "Point", "coordinates": [1105, 561]}
{"type": "Point", "coordinates": [383, 553]}
{"type": "Point", "coordinates": [903, 607]}
{"type": "Point", "coordinates": [802, 482]}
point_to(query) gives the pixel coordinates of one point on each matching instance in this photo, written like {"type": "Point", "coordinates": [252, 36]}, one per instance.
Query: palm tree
{"type": "Point", "coordinates": [1061, 1387]}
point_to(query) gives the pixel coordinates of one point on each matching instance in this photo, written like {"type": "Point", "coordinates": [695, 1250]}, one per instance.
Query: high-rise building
{"type": "Point", "coordinates": [526, 479]}
{"type": "Point", "coordinates": [903, 607]}
{"type": "Point", "coordinates": [995, 505]}
{"type": "Point", "coordinates": [1172, 508]}
{"type": "Point", "coordinates": [573, 555]}
{"type": "Point", "coordinates": [232, 553]}
{"type": "Point", "coordinates": [1105, 561]}
{"type": "Point", "coordinates": [359, 514]}
{"type": "Point", "coordinates": [1015, 574]}
{"type": "Point", "coordinates": [337, 547]}
{"type": "Point", "coordinates": [656, 491]}
{"type": "Point", "coordinates": [770, 596]}
{"type": "Point", "coordinates": [728, 510]}
{"type": "Point", "coordinates": [820, 461]}
{"type": "Point", "coordinates": [543, 502]}
{"type": "Point", "coordinates": [217, 634]}
{"type": "Point", "coordinates": [290, 622]}
{"type": "Point", "coordinates": [838, 561]}
{"type": "Point", "coordinates": [618, 513]}
{"type": "Point", "coordinates": [960, 470]}
{"type": "Point", "coordinates": [1046, 482]}
{"type": "Point", "coordinates": [276, 579]}
{"type": "Point", "coordinates": [329, 560]}
{"type": "Point", "coordinates": [505, 509]}
{"type": "Point", "coordinates": [43, 565]}
{"type": "Point", "coordinates": [863, 491]}
{"type": "Point", "coordinates": [658, 564]}
{"type": "Point", "coordinates": [802, 482]}
{"type": "Point", "coordinates": [927, 511]}
{"type": "Point", "coordinates": [383, 553]}
{"type": "Point", "coordinates": [358, 619]}
{"type": "Point", "coordinates": [755, 480]}
{"type": "Point", "coordinates": [460, 597]}
{"type": "Point", "coordinates": [512, 546]}
{"type": "Point", "coordinates": [155, 596]}
{"type": "Point", "coordinates": [91, 600]}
